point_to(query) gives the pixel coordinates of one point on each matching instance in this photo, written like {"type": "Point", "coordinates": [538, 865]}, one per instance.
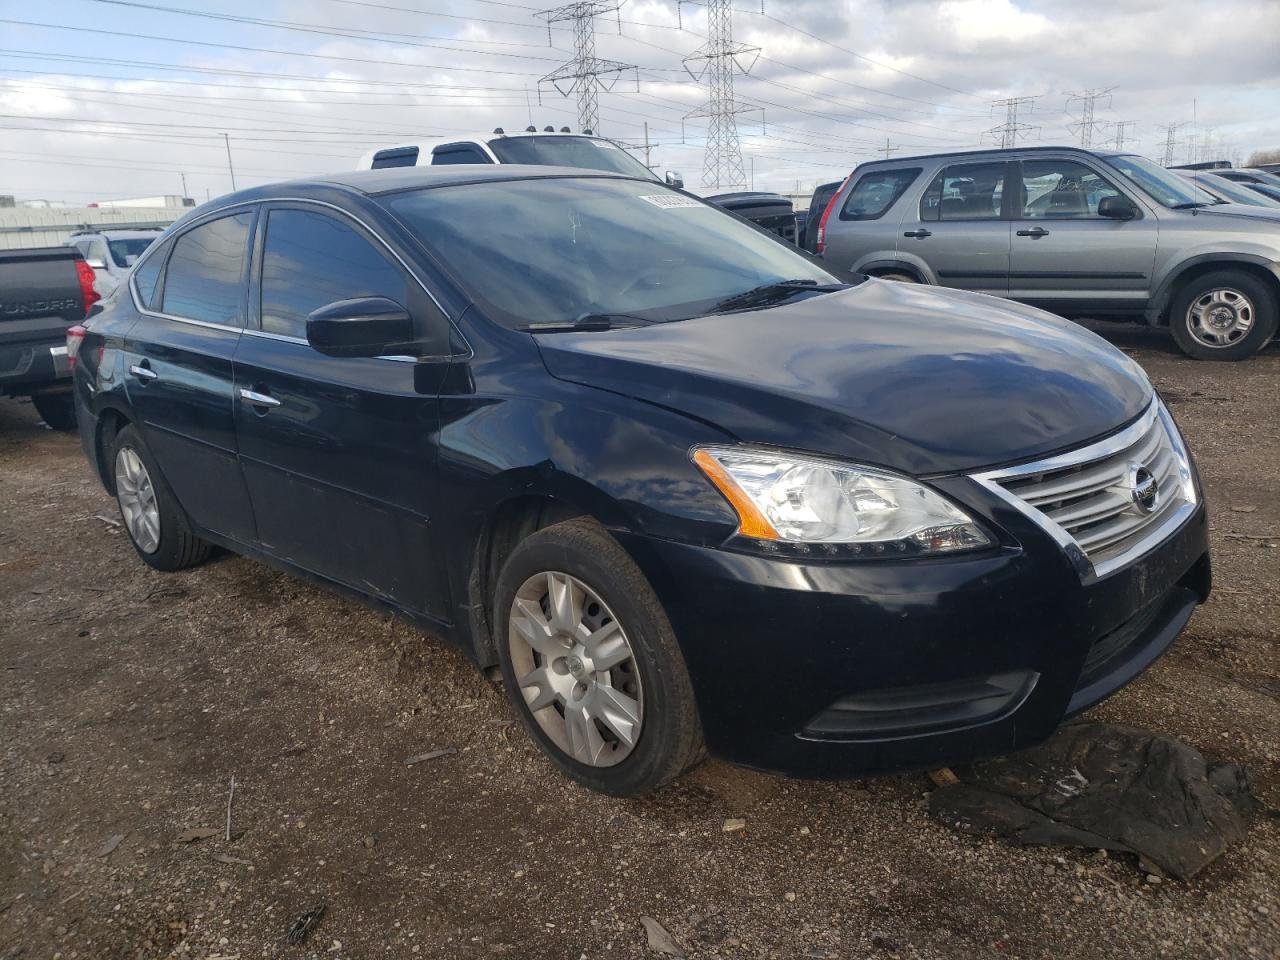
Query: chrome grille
{"type": "Point", "coordinates": [1089, 498]}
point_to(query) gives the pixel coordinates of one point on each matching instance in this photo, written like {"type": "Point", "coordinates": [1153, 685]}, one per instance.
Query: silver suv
{"type": "Point", "coordinates": [1083, 234]}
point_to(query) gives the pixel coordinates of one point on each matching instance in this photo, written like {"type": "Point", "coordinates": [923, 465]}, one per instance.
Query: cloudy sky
{"type": "Point", "coordinates": [103, 99]}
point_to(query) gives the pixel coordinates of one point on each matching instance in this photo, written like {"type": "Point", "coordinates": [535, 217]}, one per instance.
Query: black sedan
{"type": "Point", "coordinates": [687, 489]}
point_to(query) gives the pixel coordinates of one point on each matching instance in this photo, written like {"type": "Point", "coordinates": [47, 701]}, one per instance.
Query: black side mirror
{"type": "Point", "coordinates": [675, 180]}
{"type": "Point", "coordinates": [364, 327]}
{"type": "Point", "coordinates": [1117, 208]}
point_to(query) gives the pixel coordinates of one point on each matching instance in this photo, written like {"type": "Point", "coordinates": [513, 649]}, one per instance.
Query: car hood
{"type": "Point", "coordinates": [1240, 210]}
{"type": "Point", "coordinates": [923, 380]}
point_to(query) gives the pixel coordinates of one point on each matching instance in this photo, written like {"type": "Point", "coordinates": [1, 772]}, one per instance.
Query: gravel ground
{"type": "Point", "coordinates": [130, 698]}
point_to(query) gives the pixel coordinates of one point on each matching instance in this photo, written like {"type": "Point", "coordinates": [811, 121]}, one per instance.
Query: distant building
{"type": "Point", "coordinates": [168, 201]}
{"type": "Point", "coordinates": [24, 227]}
{"type": "Point", "coordinates": [6, 200]}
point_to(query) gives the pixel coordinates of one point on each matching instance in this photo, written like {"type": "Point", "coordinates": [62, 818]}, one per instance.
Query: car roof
{"type": "Point", "coordinates": [996, 151]}
{"type": "Point", "coordinates": [137, 234]}
{"type": "Point", "coordinates": [373, 183]}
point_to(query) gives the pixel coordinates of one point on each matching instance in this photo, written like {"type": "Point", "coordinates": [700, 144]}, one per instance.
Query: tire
{"type": "Point", "coordinates": [164, 540]}
{"type": "Point", "coordinates": [58, 410]}
{"type": "Point", "coordinates": [609, 597]}
{"type": "Point", "coordinates": [1230, 296]}
{"type": "Point", "coordinates": [899, 277]}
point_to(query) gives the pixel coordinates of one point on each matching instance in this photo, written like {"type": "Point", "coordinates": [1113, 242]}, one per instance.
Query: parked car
{"type": "Point", "coordinates": [43, 291]}
{"type": "Point", "coordinates": [563, 148]}
{"type": "Point", "coordinates": [1256, 179]}
{"type": "Point", "coordinates": [817, 206]}
{"type": "Point", "coordinates": [682, 486]}
{"type": "Point", "coordinates": [1229, 191]}
{"type": "Point", "coordinates": [1088, 235]}
{"type": "Point", "coordinates": [111, 253]}
{"type": "Point", "coordinates": [545, 148]}
{"type": "Point", "coordinates": [770, 211]}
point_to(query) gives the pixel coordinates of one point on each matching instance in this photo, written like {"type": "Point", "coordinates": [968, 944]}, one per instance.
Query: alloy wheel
{"type": "Point", "coordinates": [137, 498]}
{"type": "Point", "coordinates": [1219, 318]}
{"type": "Point", "coordinates": [576, 669]}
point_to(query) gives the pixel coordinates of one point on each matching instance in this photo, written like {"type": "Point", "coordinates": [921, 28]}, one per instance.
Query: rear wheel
{"type": "Point", "coordinates": [1223, 315]}
{"type": "Point", "coordinates": [591, 663]}
{"type": "Point", "coordinates": [899, 277]}
{"type": "Point", "coordinates": [58, 410]}
{"type": "Point", "coordinates": [156, 525]}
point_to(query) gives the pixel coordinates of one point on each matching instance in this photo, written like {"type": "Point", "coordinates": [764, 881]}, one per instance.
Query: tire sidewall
{"type": "Point", "coordinates": [1264, 322]}
{"type": "Point", "coordinates": [175, 532]}
{"type": "Point", "coordinates": [576, 549]}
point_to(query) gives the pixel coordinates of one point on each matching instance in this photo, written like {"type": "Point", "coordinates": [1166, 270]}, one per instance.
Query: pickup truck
{"type": "Point", "coordinates": [43, 291]}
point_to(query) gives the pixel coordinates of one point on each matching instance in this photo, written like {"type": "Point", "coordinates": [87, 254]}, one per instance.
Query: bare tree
{"type": "Point", "coordinates": [1264, 156]}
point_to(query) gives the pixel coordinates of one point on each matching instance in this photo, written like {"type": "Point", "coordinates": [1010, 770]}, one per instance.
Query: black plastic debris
{"type": "Point", "coordinates": [1106, 787]}
{"type": "Point", "coordinates": [305, 924]}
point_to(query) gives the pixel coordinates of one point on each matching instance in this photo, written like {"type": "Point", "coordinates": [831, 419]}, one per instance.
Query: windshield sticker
{"type": "Point", "coordinates": [667, 200]}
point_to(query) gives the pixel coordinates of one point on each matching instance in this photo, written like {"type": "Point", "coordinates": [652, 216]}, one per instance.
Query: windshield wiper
{"type": "Point", "coordinates": [589, 323]}
{"type": "Point", "coordinates": [776, 292]}
{"type": "Point", "coordinates": [1190, 205]}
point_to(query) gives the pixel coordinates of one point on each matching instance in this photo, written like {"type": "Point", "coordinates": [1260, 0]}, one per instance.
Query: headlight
{"type": "Point", "coordinates": [801, 500]}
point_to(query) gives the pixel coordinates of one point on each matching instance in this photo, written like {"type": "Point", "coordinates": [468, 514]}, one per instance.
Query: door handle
{"type": "Point", "coordinates": [258, 399]}
{"type": "Point", "coordinates": [918, 234]}
{"type": "Point", "coordinates": [143, 371]}
{"type": "Point", "coordinates": [1034, 234]}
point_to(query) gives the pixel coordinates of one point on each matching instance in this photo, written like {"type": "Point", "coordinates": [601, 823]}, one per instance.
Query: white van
{"type": "Point", "coordinates": [543, 148]}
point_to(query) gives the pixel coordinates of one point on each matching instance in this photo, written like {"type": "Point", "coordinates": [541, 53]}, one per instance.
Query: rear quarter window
{"type": "Point", "coordinates": [147, 275]}
{"type": "Point", "coordinates": [875, 192]}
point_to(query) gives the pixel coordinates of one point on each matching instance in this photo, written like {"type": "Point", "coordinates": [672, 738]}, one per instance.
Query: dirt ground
{"type": "Point", "coordinates": [130, 698]}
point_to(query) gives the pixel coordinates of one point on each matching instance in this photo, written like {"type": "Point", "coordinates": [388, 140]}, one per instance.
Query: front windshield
{"type": "Point", "coordinates": [588, 153]}
{"type": "Point", "coordinates": [557, 249]}
{"type": "Point", "coordinates": [1161, 185]}
{"type": "Point", "coordinates": [1235, 192]}
{"type": "Point", "coordinates": [126, 252]}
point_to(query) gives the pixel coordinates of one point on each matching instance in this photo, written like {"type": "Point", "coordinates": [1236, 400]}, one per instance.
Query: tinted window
{"type": "Point", "coordinates": [126, 252]}
{"type": "Point", "coordinates": [562, 151]}
{"type": "Point", "coordinates": [971, 191]}
{"type": "Point", "coordinates": [205, 278]}
{"type": "Point", "coordinates": [310, 260]}
{"type": "Point", "coordinates": [146, 275]}
{"type": "Point", "coordinates": [876, 192]}
{"type": "Point", "coordinates": [571, 246]}
{"type": "Point", "coordinates": [395, 157]}
{"type": "Point", "coordinates": [458, 155]}
{"type": "Point", "coordinates": [1062, 189]}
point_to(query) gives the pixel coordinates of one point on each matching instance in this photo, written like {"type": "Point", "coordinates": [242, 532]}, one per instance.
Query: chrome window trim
{"type": "Point", "coordinates": [214, 214]}
{"type": "Point", "coordinates": [1109, 446]}
{"type": "Point", "coordinates": [285, 338]}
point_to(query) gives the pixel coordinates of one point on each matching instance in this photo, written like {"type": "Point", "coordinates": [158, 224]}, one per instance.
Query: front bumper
{"type": "Point", "coordinates": [842, 669]}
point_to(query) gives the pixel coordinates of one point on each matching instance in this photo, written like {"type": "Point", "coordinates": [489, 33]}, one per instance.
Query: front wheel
{"type": "Point", "coordinates": [591, 663]}
{"type": "Point", "coordinates": [1223, 315]}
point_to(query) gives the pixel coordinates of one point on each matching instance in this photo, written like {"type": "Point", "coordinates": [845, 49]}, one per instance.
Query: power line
{"type": "Point", "coordinates": [720, 59]}
{"type": "Point", "coordinates": [1086, 126]}
{"type": "Point", "coordinates": [582, 75]}
{"type": "Point", "coordinates": [1008, 132]}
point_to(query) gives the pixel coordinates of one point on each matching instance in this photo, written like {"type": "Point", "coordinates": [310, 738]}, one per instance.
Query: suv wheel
{"type": "Point", "coordinates": [57, 410]}
{"type": "Point", "coordinates": [1223, 315]}
{"type": "Point", "coordinates": [899, 277]}
{"type": "Point", "coordinates": [156, 525]}
{"type": "Point", "coordinates": [591, 663]}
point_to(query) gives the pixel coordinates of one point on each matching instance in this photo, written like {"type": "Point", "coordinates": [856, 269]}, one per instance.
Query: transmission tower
{"type": "Point", "coordinates": [1008, 132]}
{"type": "Point", "coordinates": [583, 74]}
{"type": "Point", "coordinates": [719, 60]}
{"type": "Point", "coordinates": [1171, 141]}
{"type": "Point", "coordinates": [1087, 126]}
{"type": "Point", "coordinates": [1122, 133]}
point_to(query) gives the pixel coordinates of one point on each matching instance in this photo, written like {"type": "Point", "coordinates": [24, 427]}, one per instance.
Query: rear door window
{"type": "Point", "coordinates": [970, 191]}
{"type": "Point", "coordinates": [875, 192]}
{"type": "Point", "coordinates": [205, 278]}
{"type": "Point", "coordinates": [395, 157]}
{"type": "Point", "coordinates": [310, 260]}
